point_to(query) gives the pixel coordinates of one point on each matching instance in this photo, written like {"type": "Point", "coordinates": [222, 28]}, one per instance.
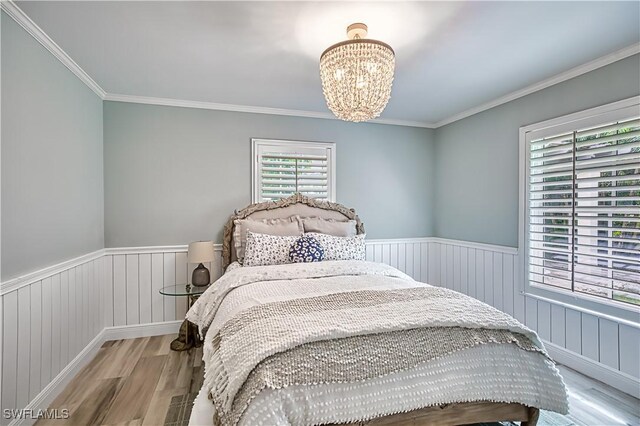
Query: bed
{"type": "Point", "coordinates": [356, 342]}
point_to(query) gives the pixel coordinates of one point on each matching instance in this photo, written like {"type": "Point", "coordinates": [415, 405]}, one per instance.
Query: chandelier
{"type": "Point", "coordinates": [357, 75]}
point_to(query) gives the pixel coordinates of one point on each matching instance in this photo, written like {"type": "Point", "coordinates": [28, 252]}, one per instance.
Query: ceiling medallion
{"type": "Point", "coordinates": [357, 75]}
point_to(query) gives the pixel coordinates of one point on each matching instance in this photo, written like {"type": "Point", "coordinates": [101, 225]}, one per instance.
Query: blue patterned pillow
{"type": "Point", "coordinates": [306, 249]}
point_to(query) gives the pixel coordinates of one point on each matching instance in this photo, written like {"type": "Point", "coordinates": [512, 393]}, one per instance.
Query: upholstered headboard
{"type": "Point", "coordinates": [297, 204]}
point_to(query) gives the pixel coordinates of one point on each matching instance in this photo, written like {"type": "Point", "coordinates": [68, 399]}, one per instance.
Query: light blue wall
{"type": "Point", "coordinates": [52, 165]}
{"type": "Point", "coordinates": [476, 188]}
{"type": "Point", "coordinates": [174, 175]}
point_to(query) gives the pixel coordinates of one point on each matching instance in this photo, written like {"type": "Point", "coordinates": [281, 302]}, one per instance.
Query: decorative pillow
{"type": "Point", "coordinates": [329, 226]}
{"type": "Point", "coordinates": [306, 249]}
{"type": "Point", "coordinates": [290, 226]}
{"type": "Point", "coordinates": [341, 248]}
{"type": "Point", "coordinates": [263, 249]}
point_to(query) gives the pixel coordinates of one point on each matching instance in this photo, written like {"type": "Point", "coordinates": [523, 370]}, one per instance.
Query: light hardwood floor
{"type": "Point", "coordinates": [132, 382]}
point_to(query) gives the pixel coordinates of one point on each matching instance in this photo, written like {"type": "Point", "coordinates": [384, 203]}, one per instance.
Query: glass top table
{"type": "Point", "coordinates": [183, 290]}
{"type": "Point", "coordinates": [188, 335]}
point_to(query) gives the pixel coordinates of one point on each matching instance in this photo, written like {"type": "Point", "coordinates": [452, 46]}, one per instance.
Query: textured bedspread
{"type": "Point", "coordinates": [286, 327]}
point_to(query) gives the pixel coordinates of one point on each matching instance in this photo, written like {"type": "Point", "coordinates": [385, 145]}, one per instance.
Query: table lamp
{"type": "Point", "coordinates": [200, 252]}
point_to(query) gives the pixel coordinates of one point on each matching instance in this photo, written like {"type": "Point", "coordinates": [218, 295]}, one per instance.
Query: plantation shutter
{"type": "Point", "coordinates": [584, 211]}
{"type": "Point", "coordinates": [284, 170]}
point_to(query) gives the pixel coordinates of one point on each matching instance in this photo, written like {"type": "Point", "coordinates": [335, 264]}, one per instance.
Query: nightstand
{"type": "Point", "coordinates": [188, 335]}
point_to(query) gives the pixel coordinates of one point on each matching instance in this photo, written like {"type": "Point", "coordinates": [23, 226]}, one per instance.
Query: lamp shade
{"type": "Point", "coordinates": [200, 252]}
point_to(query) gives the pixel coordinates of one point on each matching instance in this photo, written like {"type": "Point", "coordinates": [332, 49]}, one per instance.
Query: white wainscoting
{"type": "Point", "coordinates": [55, 317]}
{"type": "Point", "coordinates": [411, 256]}
{"type": "Point", "coordinates": [594, 345]}
{"type": "Point", "coordinates": [49, 318]}
{"type": "Point", "coordinates": [134, 277]}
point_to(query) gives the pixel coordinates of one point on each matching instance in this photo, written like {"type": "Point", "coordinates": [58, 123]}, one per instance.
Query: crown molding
{"type": "Point", "coordinates": [558, 78]}
{"type": "Point", "coordinates": [248, 109]}
{"type": "Point", "coordinates": [36, 32]}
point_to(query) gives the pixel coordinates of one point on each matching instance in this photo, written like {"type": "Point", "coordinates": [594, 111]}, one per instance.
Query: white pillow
{"type": "Point", "coordinates": [280, 226]}
{"type": "Point", "coordinates": [341, 248]}
{"type": "Point", "coordinates": [263, 249]}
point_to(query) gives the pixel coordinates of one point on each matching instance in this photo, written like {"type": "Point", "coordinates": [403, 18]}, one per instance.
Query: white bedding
{"type": "Point", "coordinates": [508, 373]}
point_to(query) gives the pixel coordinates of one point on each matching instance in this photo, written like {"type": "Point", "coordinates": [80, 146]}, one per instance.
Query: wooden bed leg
{"type": "Point", "coordinates": [533, 415]}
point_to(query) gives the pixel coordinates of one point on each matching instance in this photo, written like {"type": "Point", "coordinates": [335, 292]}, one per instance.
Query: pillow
{"type": "Point", "coordinates": [306, 249]}
{"type": "Point", "coordinates": [263, 249]}
{"type": "Point", "coordinates": [329, 226]}
{"type": "Point", "coordinates": [287, 226]}
{"type": "Point", "coordinates": [341, 248]}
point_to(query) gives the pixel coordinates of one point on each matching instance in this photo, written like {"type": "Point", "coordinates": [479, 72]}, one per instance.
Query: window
{"type": "Point", "coordinates": [583, 203]}
{"type": "Point", "coordinates": [282, 168]}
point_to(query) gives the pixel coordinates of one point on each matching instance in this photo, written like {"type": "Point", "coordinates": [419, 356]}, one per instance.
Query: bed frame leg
{"type": "Point", "coordinates": [533, 415]}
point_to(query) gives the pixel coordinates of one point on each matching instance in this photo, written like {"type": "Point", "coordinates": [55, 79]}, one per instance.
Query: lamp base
{"type": "Point", "coordinates": [200, 276]}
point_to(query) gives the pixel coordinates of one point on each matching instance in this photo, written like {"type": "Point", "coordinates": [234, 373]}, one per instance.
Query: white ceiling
{"type": "Point", "coordinates": [450, 56]}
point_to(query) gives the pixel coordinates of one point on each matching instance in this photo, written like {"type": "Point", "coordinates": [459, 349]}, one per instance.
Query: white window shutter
{"type": "Point", "coordinates": [584, 211]}
{"type": "Point", "coordinates": [283, 168]}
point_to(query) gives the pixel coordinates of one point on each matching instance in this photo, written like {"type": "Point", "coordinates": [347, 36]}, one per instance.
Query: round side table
{"type": "Point", "coordinates": [188, 335]}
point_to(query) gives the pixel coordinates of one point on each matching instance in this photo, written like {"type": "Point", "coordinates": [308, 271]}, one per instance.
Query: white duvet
{"type": "Point", "coordinates": [492, 372]}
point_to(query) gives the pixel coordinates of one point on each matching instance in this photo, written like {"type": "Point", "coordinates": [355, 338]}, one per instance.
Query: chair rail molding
{"type": "Point", "coordinates": [16, 283]}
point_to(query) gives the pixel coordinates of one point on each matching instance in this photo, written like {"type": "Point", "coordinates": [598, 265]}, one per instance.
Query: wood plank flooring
{"type": "Point", "coordinates": [132, 382]}
{"type": "Point", "coordinates": [592, 403]}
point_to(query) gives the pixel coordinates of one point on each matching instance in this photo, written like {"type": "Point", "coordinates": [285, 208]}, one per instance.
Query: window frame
{"type": "Point", "coordinates": [257, 143]}
{"type": "Point", "coordinates": [615, 111]}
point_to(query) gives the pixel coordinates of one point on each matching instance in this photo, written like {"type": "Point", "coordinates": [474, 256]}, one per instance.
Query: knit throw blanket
{"type": "Point", "coordinates": [340, 337]}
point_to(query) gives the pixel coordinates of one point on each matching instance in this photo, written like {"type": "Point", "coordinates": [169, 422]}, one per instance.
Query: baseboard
{"type": "Point", "coordinates": [141, 330]}
{"type": "Point", "coordinates": [43, 400]}
{"type": "Point", "coordinates": [595, 370]}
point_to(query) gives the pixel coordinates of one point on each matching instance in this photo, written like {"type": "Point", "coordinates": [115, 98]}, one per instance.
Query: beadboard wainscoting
{"type": "Point", "coordinates": [411, 256]}
{"type": "Point", "coordinates": [593, 344]}
{"type": "Point", "coordinates": [134, 277]}
{"type": "Point", "coordinates": [55, 320]}
{"type": "Point", "coordinates": [50, 318]}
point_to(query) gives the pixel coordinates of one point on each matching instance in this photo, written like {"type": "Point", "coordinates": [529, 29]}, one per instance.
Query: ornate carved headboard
{"type": "Point", "coordinates": [297, 204]}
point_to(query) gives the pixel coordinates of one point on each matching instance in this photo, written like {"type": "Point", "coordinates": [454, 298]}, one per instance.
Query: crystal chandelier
{"type": "Point", "coordinates": [357, 75]}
